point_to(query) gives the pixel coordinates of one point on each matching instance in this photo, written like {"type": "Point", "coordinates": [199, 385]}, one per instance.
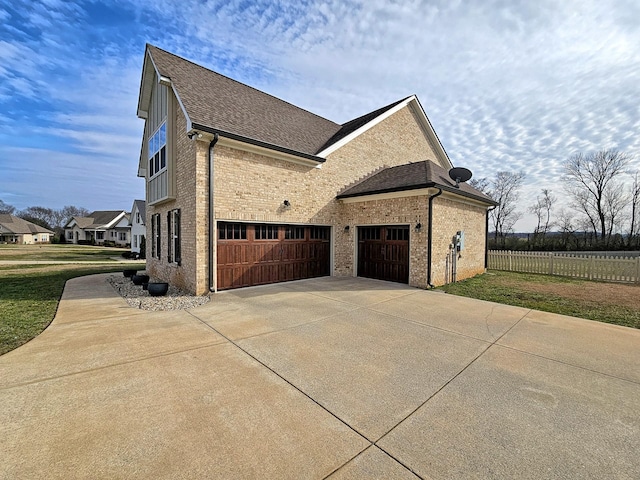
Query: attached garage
{"type": "Point", "coordinates": [383, 252]}
{"type": "Point", "coordinates": [258, 254]}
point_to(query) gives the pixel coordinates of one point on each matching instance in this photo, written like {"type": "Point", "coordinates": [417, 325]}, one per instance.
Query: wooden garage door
{"type": "Point", "coordinates": [383, 253]}
{"type": "Point", "coordinates": [257, 254]}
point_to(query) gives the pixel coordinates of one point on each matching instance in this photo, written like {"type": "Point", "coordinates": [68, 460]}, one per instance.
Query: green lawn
{"type": "Point", "coordinates": [605, 302]}
{"type": "Point", "coordinates": [29, 299]}
{"type": "Point", "coordinates": [64, 252]}
{"type": "Point", "coordinates": [29, 293]}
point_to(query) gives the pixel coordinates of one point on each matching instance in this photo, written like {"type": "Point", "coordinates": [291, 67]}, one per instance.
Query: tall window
{"type": "Point", "coordinates": [158, 150]}
{"type": "Point", "coordinates": [173, 236]}
{"type": "Point", "coordinates": [155, 235]}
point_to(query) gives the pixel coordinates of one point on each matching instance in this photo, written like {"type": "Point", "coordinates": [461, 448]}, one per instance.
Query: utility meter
{"type": "Point", "coordinates": [459, 240]}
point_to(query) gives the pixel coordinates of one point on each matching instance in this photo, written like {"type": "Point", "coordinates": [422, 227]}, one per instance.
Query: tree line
{"type": "Point", "coordinates": [51, 218]}
{"type": "Point", "coordinates": [603, 212]}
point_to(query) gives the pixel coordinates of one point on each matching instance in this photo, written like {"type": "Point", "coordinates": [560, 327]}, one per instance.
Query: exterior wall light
{"type": "Point", "coordinates": [346, 229]}
{"type": "Point", "coordinates": [418, 227]}
{"type": "Point", "coordinates": [286, 203]}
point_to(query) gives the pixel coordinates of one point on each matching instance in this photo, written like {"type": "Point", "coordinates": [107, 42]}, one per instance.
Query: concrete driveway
{"type": "Point", "coordinates": [337, 378]}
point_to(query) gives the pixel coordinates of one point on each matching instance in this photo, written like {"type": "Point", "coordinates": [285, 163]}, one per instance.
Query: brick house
{"type": "Point", "coordinates": [245, 189]}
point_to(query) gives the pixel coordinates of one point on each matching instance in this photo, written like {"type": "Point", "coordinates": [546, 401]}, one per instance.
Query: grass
{"type": "Point", "coordinates": [64, 252]}
{"type": "Point", "coordinates": [30, 293]}
{"type": "Point", "coordinates": [618, 304]}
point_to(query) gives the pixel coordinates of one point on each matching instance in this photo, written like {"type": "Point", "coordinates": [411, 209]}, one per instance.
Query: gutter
{"type": "Point", "coordinates": [430, 240]}
{"type": "Point", "coordinates": [486, 237]}
{"type": "Point", "coordinates": [210, 200]}
{"type": "Point", "coordinates": [258, 143]}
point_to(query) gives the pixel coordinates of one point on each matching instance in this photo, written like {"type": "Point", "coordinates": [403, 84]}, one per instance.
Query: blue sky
{"type": "Point", "coordinates": [508, 85]}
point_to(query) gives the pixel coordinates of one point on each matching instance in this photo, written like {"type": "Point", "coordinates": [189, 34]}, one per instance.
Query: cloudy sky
{"type": "Point", "coordinates": [508, 85]}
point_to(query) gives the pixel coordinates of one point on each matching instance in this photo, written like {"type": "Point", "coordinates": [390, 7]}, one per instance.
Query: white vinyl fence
{"type": "Point", "coordinates": [609, 268]}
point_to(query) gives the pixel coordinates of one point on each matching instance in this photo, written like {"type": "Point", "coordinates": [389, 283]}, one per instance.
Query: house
{"type": "Point", "coordinates": [245, 189]}
{"type": "Point", "coordinates": [137, 224]}
{"type": "Point", "coordinates": [16, 230]}
{"type": "Point", "coordinates": [102, 227]}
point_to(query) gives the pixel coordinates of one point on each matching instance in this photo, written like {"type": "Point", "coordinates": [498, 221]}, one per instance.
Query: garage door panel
{"type": "Point", "coordinates": [383, 253]}
{"type": "Point", "coordinates": [270, 254]}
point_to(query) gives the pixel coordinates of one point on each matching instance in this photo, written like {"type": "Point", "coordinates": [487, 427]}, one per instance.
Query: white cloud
{"type": "Point", "coordinates": [507, 85]}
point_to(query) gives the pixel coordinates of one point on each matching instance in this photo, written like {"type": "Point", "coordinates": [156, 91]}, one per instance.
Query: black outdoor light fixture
{"type": "Point", "coordinates": [286, 203]}
{"type": "Point", "coordinates": [418, 227]}
{"type": "Point", "coordinates": [346, 229]}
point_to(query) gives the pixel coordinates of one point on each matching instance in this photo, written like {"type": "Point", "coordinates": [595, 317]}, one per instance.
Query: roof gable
{"type": "Point", "coordinates": [412, 176]}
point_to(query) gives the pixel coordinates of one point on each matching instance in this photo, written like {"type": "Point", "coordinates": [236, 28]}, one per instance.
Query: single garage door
{"type": "Point", "coordinates": [257, 254]}
{"type": "Point", "coordinates": [383, 253]}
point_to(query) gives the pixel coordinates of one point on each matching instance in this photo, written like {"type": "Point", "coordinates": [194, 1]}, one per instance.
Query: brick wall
{"type": "Point", "coordinates": [252, 187]}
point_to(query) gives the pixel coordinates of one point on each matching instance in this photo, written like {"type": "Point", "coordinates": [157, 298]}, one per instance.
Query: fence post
{"type": "Point", "coordinates": [510, 262]}
{"type": "Point", "coordinates": [638, 269]}
{"type": "Point", "coordinates": [592, 264]}
{"type": "Point", "coordinates": [550, 263]}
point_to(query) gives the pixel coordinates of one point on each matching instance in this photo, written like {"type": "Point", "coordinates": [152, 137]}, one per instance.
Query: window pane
{"type": "Point", "coordinates": [163, 158]}
{"type": "Point", "coordinates": [162, 135]}
{"type": "Point", "coordinates": [157, 162]}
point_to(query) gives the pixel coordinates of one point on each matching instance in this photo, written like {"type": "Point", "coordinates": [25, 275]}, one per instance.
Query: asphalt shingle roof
{"type": "Point", "coordinates": [19, 226]}
{"type": "Point", "coordinates": [220, 103]}
{"type": "Point", "coordinates": [410, 177]}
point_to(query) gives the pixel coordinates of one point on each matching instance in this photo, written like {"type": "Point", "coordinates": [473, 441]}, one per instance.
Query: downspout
{"type": "Point", "coordinates": [486, 238]}
{"type": "Point", "coordinates": [429, 242]}
{"type": "Point", "coordinates": [210, 199]}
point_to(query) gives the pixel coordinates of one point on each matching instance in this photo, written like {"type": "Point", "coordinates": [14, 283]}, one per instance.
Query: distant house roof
{"type": "Point", "coordinates": [217, 104]}
{"type": "Point", "coordinates": [412, 176]}
{"type": "Point", "coordinates": [141, 205]}
{"type": "Point", "coordinates": [98, 219]}
{"type": "Point", "coordinates": [18, 226]}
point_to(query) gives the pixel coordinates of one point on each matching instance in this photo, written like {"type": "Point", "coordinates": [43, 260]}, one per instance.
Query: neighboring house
{"type": "Point", "coordinates": [246, 189]}
{"type": "Point", "coordinates": [110, 226]}
{"type": "Point", "coordinates": [16, 230]}
{"type": "Point", "coordinates": [138, 225]}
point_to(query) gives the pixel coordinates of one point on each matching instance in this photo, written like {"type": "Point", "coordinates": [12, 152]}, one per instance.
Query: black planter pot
{"type": "Point", "coordinates": [129, 273]}
{"type": "Point", "coordinates": [158, 289]}
{"type": "Point", "coordinates": [140, 279]}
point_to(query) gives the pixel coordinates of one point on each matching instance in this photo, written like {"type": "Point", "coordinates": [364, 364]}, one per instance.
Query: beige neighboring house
{"type": "Point", "coordinates": [245, 189]}
{"type": "Point", "coordinates": [16, 230]}
{"type": "Point", "coordinates": [110, 226]}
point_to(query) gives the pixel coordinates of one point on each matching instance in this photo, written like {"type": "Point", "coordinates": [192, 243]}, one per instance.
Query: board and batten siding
{"type": "Point", "coordinates": [162, 186]}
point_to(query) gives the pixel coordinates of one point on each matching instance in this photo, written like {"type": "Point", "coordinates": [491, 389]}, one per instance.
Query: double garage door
{"type": "Point", "coordinates": [258, 254]}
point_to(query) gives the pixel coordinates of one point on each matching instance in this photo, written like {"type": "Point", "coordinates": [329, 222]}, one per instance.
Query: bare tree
{"type": "Point", "coordinates": [567, 226]}
{"type": "Point", "coordinates": [6, 208]}
{"type": "Point", "coordinates": [635, 209]}
{"type": "Point", "coordinates": [42, 216]}
{"type": "Point", "coordinates": [592, 181]}
{"type": "Point", "coordinates": [504, 189]}
{"type": "Point", "coordinates": [542, 210]}
{"type": "Point", "coordinates": [481, 184]}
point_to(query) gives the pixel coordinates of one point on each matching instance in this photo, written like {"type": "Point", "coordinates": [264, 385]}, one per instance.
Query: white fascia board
{"type": "Point", "coordinates": [115, 220]}
{"type": "Point", "coordinates": [415, 193]}
{"type": "Point", "coordinates": [431, 133]}
{"type": "Point", "coordinates": [247, 147]}
{"type": "Point", "coordinates": [332, 148]}
{"type": "Point", "coordinates": [388, 195]}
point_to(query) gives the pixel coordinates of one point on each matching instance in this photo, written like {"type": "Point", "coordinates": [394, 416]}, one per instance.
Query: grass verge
{"type": "Point", "coordinates": [29, 299]}
{"type": "Point", "coordinates": [614, 303]}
